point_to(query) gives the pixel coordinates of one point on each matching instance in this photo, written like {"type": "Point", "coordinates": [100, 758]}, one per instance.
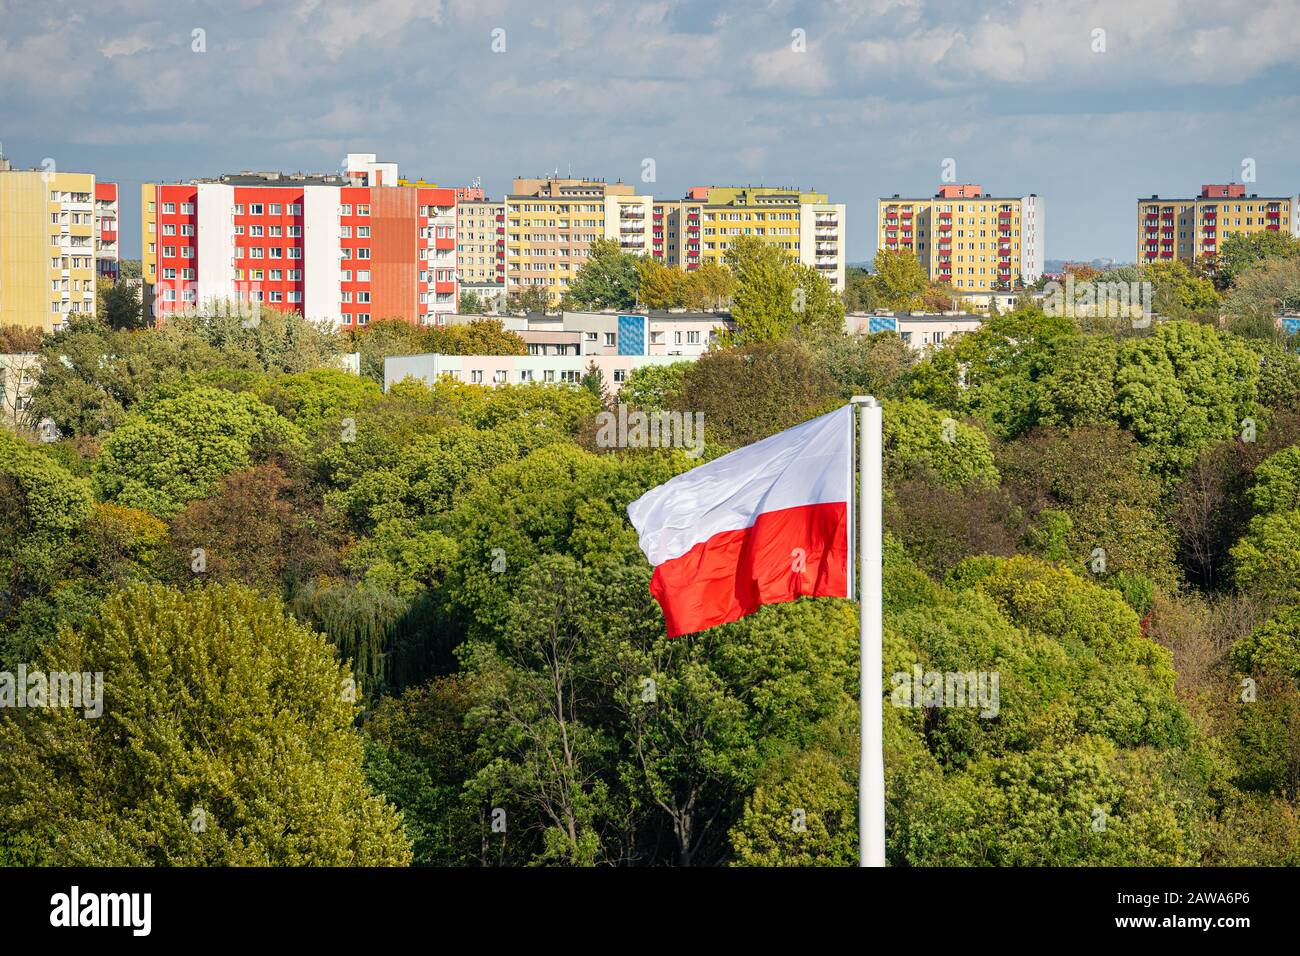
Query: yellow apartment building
{"type": "Point", "coordinates": [1195, 229]}
{"type": "Point", "coordinates": [48, 241]}
{"type": "Point", "coordinates": [967, 238]}
{"type": "Point", "coordinates": [550, 224]}
{"type": "Point", "coordinates": [805, 224]}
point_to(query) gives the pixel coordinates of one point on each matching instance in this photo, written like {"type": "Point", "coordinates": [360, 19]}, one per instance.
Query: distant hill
{"type": "Point", "coordinates": [1056, 265]}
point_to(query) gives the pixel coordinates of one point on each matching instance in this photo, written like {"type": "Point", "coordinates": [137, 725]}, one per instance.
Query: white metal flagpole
{"type": "Point", "coordinates": [871, 766]}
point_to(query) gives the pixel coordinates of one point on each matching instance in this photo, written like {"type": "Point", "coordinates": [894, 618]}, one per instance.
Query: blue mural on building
{"type": "Point", "coordinates": [633, 331]}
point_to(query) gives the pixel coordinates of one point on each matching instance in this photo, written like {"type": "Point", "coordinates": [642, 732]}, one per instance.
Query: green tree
{"type": "Point", "coordinates": [267, 341]}
{"type": "Point", "coordinates": [177, 449]}
{"type": "Point", "coordinates": [1180, 293]}
{"type": "Point", "coordinates": [866, 364]}
{"type": "Point", "coordinates": [660, 286]}
{"type": "Point", "coordinates": [117, 304]}
{"type": "Point", "coordinates": [91, 375]}
{"type": "Point", "coordinates": [531, 715]}
{"type": "Point", "coordinates": [899, 280]}
{"type": "Point", "coordinates": [528, 299]}
{"type": "Point", "coordinates": [1242, 252]}
{"type": "Point", "coordinates": [225, 739]}
{"type": "Point", "coordinates": [380, 339]}
{"type": "Point", "coordinates": [41, 497]}
{"type": "Point", "coordinates": [1099, 478]}
{"type": "Point", "coordinates": [712, 286]}
{"type": "Point", "coordinates": [1182, 388]}
{"type": "Point", "coordinates": [607, 280]}
{"type": "Point", "coordinates": [777, 298]}
{"type": "Point", "coordinates": [653, 386]}
{"type": "Point", "coordinates": [917, 436]}
{"type": "Point", "coordinates": [418, 753]}
{"type": "Point", "coordinates": [479, 337]}
{"type": "Point", "coordinates": [859, 291]}
{"type": "Point", "coordinates": [753, 391]}
{"type": "Point", "coordinates": [998, 372]}
{"type": "Point", "coordinates": [1267, 559]}
{"type": "Point", "coordinates": [593, 380]}
{"type": "Point", "coordinates": [320, 399]}
{"type": "Point", "coordinates": [1263, 290]}
{"type": "Point", "coordinates": [1273, 646]}
{"type": "Point", "coordinates": [804, 813]}
{"type": "Point", "coordinates": [470, 303]}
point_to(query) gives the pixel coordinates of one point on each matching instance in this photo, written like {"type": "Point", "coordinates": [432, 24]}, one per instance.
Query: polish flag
{"type": "Point", "coordinates": [764, 524]}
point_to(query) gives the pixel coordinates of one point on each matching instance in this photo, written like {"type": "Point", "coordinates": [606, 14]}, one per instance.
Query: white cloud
{"type": "Point", "coordinates": [786, 69]}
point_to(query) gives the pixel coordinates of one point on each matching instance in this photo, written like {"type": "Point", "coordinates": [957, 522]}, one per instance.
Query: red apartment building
{"type": "Point", "coordinates": [107, 249]}
{"type": "Point", "coordinates": [344, 249]}
{"type": "Point", "coordinates": [675, 229]}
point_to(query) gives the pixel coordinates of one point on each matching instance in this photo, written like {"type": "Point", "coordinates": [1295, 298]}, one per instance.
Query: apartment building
{"type": "Point", "coordinates": [659, 332]}
{"type": "Point", "coordinates": [918, 330]}
{"type": "Point", "coordinates": [963, 236]}
{"type": "Point", "coordinates": [53, 233]}
{"type": "Point", "coordinates": [676, 229]}
{"type": "Point", "coordinates": [107, 250]}
{"type": "Point", "coordinates": [494, 370]}
{"type": "Point", "coordinates": [481, 242]}
{"type": "Point", "coordinates": [343, 249]}
{"type": "Point", "coordinates": [1194, 229]}
{"type": "Point", "coordinates": [805, 224]}
{"type": "Point", "coordinates": [551, 224]}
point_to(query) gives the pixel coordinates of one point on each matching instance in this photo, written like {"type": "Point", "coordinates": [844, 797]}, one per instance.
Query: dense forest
{"type": "Point", "coordinates": [343, 626]}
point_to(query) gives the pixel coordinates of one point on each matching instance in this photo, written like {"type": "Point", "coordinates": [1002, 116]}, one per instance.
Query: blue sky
{"type": "Point", "coordinates": [1016, 93]}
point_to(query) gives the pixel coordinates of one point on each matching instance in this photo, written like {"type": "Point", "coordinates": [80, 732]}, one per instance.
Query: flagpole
{"type": "Point", "coordinates": [871, 765]}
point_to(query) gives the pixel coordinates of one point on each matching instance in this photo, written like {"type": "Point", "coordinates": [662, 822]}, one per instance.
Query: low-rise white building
{"type": "Point", "coordinates": [669, 332]}
{"type": "Point", "coordinates": [493, 370]}
{"type": "Point", "coordinates": [919, 330]}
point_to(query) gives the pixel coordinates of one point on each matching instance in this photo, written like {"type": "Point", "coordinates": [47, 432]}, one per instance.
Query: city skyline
{"type": "Point", "coordinates": [856, 100]}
